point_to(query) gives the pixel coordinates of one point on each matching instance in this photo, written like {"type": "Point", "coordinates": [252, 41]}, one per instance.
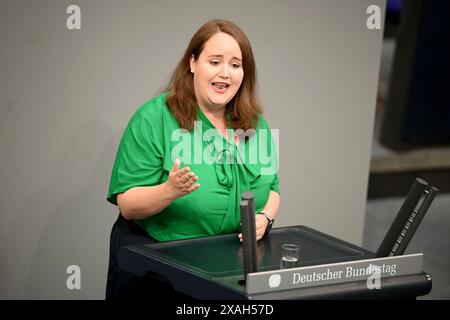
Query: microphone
{"type": "Point", "coordinates": [405, 224]}
{"type": "Point", "coordinates": [248, 232]}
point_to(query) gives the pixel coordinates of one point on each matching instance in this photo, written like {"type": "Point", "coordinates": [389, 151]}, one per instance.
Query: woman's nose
{"type": "Point", "coordinates": [224, 72]}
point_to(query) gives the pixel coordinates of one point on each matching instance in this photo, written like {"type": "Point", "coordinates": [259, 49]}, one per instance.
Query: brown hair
{"type": "Point", "coordinates": [244, 108]}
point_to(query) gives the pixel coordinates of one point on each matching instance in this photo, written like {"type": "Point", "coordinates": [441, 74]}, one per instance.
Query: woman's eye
{"type": "Point", "coordinates": [235, 65]}
{"type": "Point", "coordinates": [214, 63]}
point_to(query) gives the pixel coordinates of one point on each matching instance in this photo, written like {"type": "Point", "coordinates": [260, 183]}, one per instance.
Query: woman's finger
{"type": "Point", "coordinates": [193, 187]}
{"type": "Point", "coordinates": [193, 178]}
{"type": "Point", "coordinates": [188, 183]}
{"type": "Point", "coordinates": [182, 172]}
{"type": "Point", "coordinates": [186, 177]}
{"type": "Point", "coordinates": [176, 166]}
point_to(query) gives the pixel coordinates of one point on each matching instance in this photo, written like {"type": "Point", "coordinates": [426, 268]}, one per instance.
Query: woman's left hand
{"type": "Point", "coordinates": [261, 225]}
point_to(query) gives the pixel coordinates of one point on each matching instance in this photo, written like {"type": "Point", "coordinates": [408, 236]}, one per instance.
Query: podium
{"type": "Point", "coordinates": [212, 267]}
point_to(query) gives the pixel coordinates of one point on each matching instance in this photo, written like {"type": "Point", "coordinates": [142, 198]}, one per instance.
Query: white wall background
{"type": "Point", "coordinates": [66, 97]}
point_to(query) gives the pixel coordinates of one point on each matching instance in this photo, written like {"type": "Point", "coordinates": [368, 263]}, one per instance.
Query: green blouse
{"type": "Point", "coordinates": [153, 141]}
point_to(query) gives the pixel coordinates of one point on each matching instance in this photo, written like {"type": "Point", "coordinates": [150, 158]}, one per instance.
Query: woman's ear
{"type": "Point", "coordinates": [192, 64]}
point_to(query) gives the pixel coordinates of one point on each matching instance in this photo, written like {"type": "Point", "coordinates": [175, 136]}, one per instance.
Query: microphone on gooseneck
{"type": "Point", "coordinates": [248, 232]}
{"type": "Point", "coordinates": [405, 224]}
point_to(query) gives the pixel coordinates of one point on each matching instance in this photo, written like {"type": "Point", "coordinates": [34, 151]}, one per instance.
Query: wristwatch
{"type": "Point", "coordinates": [269, 219]}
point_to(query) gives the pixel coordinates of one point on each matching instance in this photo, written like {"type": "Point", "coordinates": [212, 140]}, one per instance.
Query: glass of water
{"type": "Point", "coordinates": [290, 254]}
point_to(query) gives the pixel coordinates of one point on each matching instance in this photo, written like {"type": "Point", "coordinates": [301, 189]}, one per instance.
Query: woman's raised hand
{"type": "Point", "coordinates": [181, 181]}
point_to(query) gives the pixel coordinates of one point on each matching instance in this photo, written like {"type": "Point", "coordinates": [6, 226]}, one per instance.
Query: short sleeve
{"type": "Point", "coordinates": [274, 186]}
{"type": "Point", "coordinates": [139, 159]}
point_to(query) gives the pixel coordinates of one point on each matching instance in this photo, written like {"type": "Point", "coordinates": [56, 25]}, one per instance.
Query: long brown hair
{"type": "Point", "coordinates": [244, 108]}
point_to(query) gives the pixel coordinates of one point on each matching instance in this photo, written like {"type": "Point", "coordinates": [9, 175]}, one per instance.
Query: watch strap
{"type": "Point", "coordinates": [269, 219]}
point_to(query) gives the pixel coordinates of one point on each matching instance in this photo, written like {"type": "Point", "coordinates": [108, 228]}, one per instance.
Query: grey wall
{"type": "Point", "coordinates": [66, 96]}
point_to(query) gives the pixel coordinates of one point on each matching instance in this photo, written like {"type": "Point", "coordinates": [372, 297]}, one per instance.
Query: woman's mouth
{"type": "Point", "coordinates": [220, 87]}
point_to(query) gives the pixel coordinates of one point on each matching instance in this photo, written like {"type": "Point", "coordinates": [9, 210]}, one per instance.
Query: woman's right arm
{"type": "Point", "coordinates": [141, 202]}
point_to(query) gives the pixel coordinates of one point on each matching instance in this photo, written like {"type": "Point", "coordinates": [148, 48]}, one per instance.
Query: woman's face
{"type": "Point", "coordinates": [218, 71]}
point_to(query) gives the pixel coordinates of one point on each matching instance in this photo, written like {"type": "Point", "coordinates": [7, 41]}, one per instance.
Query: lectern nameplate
{"type": "Point", "coordinates": [333, 273]}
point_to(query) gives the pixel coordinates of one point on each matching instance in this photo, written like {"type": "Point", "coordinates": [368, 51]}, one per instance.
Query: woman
{"type": "Point", "coordinates": [188, 154]}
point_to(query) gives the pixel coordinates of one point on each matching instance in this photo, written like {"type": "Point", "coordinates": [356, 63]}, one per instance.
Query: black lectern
{"type": "Point", "coordinates": [212, 267]}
